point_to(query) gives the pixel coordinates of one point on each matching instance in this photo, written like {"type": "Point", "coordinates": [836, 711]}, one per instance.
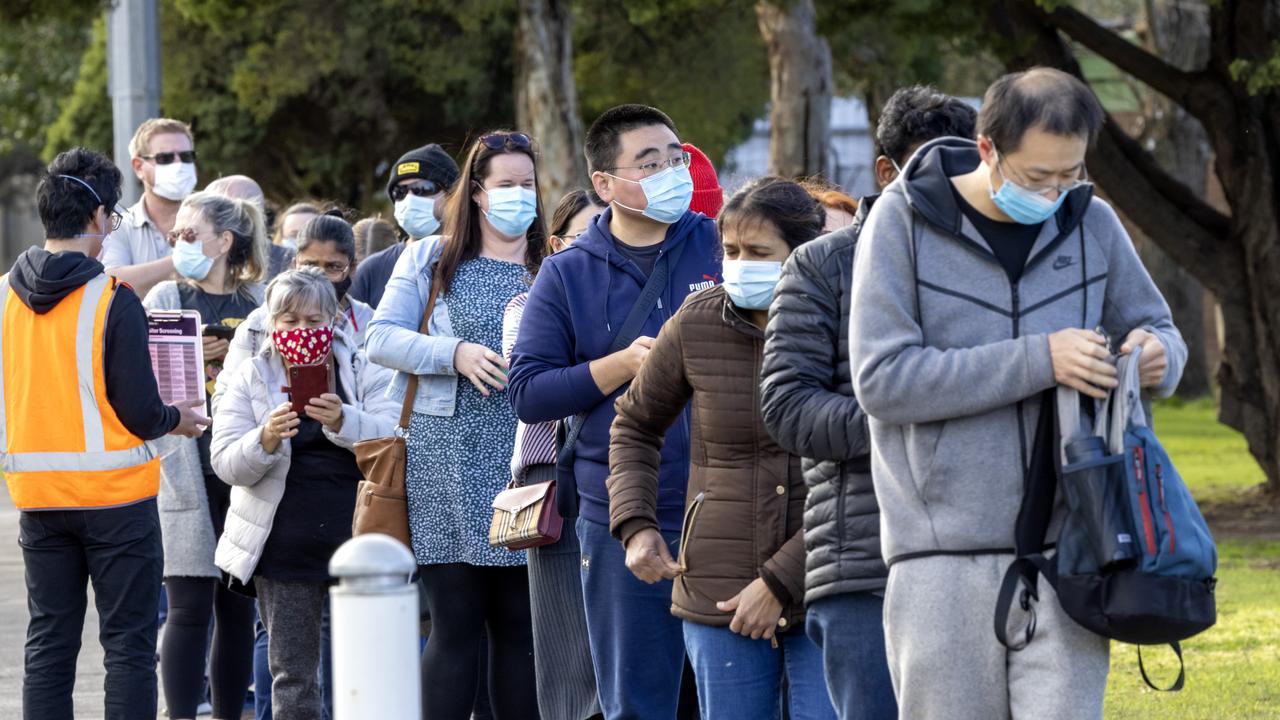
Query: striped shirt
{"type": "Point", "coordinates": [535, 444]}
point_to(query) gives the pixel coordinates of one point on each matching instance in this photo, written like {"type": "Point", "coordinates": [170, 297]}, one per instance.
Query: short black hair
{"type": "Point", "coordinates": [917, 114]}
{"type": "Point", "coordinates": [1043, 98]}
{"type": "Point", "coordinates": [602, 144]}
{"type": "Point", "coordinates": [67, 206]}
{"type": "Point", "coordinates": [798, 216]}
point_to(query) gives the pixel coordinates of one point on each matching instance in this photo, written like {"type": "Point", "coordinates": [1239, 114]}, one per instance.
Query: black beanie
{"type": "Point", "coordinates": [429, 162]}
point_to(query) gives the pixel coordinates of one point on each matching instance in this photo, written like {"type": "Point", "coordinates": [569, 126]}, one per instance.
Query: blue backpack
{"type": "Point", "coordinates": [1133, 559]}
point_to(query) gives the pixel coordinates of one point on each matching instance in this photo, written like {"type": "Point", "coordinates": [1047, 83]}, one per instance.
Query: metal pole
{"type": "Point", "coordinates": [374, 632]}
{"type": "Point", "coordinates": [133, 78]}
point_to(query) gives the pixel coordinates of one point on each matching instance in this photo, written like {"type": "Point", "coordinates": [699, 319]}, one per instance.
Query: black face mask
{"type": "Point", "coordinates": [342, 287]}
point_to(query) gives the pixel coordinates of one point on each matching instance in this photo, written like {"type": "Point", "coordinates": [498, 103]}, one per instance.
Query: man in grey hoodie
{"type": "Point", "coordinates": [985, 275]}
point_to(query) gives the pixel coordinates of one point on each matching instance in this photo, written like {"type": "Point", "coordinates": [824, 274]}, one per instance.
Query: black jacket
{"type": "Point", "coordinates": [810, 410]}
{"type": "Point", "coordinates": [42, 279]}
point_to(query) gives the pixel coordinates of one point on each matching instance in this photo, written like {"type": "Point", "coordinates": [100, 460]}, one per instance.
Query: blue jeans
{"type": "Point", "coordinates": [262, 670]}
{"type": "Point", "coordinates": [849, 629]}
{"type": "Point", "coordinates": [119, 550]}
{"type": "Point", "coordinates": [742, 679]}
{"type": "Point", "coordinates": [637, 644]}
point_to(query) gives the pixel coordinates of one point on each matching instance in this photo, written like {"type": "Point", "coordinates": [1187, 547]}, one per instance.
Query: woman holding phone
{"type": "Point", "coordinates": [463, 428]}
{"type": "Point", "coordinates": [218, 247]}
{"type": "Point", "coordinates": [293, 474]}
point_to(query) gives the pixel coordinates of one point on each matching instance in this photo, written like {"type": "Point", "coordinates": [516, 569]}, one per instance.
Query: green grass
{"type": "Point", "coordinates": [1233, 669]}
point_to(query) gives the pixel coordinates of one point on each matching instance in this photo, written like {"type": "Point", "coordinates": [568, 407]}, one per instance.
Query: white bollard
{"type": "Point", "coordinates": [374, 611]}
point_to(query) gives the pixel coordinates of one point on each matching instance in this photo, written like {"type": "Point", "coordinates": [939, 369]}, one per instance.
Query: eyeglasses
{"type": "Point", "coordinates": [332, 269]}
{"type": "Point", "coordinates": [166, 158]}
{"type": "Point", "coordinates": [657, 166]}
{"type": "Point", "coordinates": [507, 141]}
{"type": "Point", "coordinates": [186, 235]}
{"type": "Point", "coordinates": [426, 188]}
{"type": "Point", "coordinates": [115, 217]}
{"type": "Point", "coordinates": [1081, 180]}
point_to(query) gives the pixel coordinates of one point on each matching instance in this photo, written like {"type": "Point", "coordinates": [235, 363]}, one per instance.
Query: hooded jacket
{"type": "Point", "coordinates": [42, 279]}
{"type": "Point", "coordinates": [808, 405]}
{"type": "Point", "coordinates": [577, 306]}
{"type": "Point", "coordinates": [949, 356]}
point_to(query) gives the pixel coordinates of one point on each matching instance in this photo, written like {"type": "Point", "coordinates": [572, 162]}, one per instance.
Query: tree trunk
{"type": "Point", "coordinates": [800, 88]}
{"type": "Point", "coordinates": [547, 98]}
{"type": "Point", "coordinates": [1236, 256]}
{"type": "Point", "coordinates": [1180, 35]}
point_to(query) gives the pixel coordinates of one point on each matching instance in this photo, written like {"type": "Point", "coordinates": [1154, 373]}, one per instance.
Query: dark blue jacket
{"type": "Point", "coordinates": [576, 308]}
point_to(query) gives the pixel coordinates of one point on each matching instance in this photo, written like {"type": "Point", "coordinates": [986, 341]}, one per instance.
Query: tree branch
{"type": "Point", "coordinates": [1189, 89]}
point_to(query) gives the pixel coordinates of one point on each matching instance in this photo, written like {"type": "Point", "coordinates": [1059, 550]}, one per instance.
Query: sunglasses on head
{"type": "Point", "coordinates": [165, 158]}
{"type": "Point", "coordinates": [426, 188]}
{"type": "Point", "coordinates": [507, 141]}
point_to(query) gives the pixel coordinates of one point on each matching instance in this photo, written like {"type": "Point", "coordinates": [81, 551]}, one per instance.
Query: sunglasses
{"type": "Point", "coordinates": [166, 158]}
{"type": "Point", "coordinates": [187, 235]}
{"type": "Point", "coordinates": [507, 141]}
{"type": "Point", "coordinates": [426, 188]}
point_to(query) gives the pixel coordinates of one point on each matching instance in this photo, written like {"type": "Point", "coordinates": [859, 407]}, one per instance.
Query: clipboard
{"type": "Point", "coordinates": [177, 354]}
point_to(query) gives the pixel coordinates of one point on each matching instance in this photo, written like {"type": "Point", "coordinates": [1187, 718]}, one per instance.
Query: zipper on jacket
{"type": "Point", "coordinates": [1168, 519]}
{"type": "Point", "coordinates": [1148, 522]}
{"type": "Point", "coordinates": [1016, 318]}
{"type": "Point", "coordinates": [690, 518]}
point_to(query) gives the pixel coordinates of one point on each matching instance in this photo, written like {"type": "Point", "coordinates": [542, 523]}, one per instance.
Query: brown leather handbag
{"type": "Point", "coordinates": [525, 517]}
{"type": "Point", "coordinates": [382, 505]}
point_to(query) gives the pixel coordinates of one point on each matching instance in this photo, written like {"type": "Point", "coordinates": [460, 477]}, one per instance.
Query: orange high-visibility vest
{"type": "Point", "coordinates": [63, 445]}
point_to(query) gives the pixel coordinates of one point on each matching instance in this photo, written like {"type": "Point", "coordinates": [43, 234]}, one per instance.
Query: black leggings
{"type": "Point", "coordinates": [465, 601]}
{"type": "Point", "coordinates": [192, 601]}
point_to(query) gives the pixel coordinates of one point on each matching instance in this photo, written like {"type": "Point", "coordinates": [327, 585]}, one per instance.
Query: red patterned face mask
{"type": "Point", "coordinates": [304, 346]}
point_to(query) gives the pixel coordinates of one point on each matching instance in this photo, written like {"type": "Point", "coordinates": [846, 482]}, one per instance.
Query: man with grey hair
{"type": "Point", "coordinates": [246, 188]}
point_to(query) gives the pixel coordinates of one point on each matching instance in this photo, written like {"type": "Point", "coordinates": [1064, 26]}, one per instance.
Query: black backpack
{"type": "Point", "coordinates": [1134, 560]}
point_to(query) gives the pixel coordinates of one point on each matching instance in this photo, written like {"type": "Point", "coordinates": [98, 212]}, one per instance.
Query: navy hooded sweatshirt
{"type": "Point", "coordinates": [575, 309]}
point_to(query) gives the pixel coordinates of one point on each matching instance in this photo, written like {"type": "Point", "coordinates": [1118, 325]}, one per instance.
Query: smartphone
{"type": "Point", "coordinates": [222, 332]}
{"type": "Point", "coordinates": [307, 382]}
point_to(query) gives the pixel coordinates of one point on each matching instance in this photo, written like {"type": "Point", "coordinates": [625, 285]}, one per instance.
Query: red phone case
{"type": "Point", "coordinates": [307, 382]}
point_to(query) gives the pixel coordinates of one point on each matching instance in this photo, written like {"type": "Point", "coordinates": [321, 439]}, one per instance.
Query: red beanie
{"type": "Point", "coordinates": [708, 196]}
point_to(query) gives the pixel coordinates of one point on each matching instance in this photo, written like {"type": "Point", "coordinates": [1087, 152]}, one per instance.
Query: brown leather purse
{"type": "Point", "coordinates": [525, 517]}
{"type": "Point", "coordinates": [382, 504]}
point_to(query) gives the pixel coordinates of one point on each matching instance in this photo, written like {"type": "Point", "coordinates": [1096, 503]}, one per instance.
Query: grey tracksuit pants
{"type": "Point", "coordinates": [945, 660]}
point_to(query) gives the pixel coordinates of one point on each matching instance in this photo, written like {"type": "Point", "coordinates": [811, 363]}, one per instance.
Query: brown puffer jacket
{"type": "Point", "coordinates": [745, 503]}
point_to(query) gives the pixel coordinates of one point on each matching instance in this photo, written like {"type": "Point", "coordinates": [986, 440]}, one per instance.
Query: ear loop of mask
{"type": "Point", "coordinates": [615, 201]}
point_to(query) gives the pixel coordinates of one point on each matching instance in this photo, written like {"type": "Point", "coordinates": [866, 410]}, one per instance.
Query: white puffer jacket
{"type": "Point", "coordinates": [258, 477]}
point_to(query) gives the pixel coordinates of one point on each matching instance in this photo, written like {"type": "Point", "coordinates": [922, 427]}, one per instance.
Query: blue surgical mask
{"type": "Point", "coordinates": [667, 194]}
{"type": "Point", "coordinates": [190, 261]}
{"type": "Point", "coordinates": [750, 283]}
{"type": "Point", "coordinates": [512, 210]}
{"type": "Point", "coordinates": [417, 215]}
{"type": "Point", "coordinates": [1023, 206]}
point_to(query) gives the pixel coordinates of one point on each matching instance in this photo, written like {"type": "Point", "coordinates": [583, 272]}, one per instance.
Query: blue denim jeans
{"type": "Point", "coordinates": [742, 679]}
{"type": "Point", "coordinates": [636, 643]}
{"type": "Point", "coordinates": [119, 551]}
{"type": "Point", "coordinates": [849, 629]}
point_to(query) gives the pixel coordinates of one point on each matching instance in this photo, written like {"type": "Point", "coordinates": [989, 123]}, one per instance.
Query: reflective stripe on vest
{"type": "Point", "coordinates": [63, 446]}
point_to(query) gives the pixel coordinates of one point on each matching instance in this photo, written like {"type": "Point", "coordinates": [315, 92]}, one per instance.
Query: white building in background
{"type": "Point", "coordinates": [851, 156]}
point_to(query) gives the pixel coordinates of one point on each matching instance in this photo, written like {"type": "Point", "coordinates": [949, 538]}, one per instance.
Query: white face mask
{"type": "Point", "coordinates": [175, 181]}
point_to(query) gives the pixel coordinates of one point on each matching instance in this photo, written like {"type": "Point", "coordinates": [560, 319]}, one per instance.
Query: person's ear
{"type": "Point", "coordinates": [603, 186]}
{"type": "Point", "coordinates": [987, 150]}
{"type": "Point", "coordinates": [477, 194]}
{"type": "Point", "coordinates": [137, 164]}
{"type": "Point", "coordinates": [885, 171]}
{"type": "Point", "coordinates": [226, 241]}
{"type": "Point", "coordinates": [556, 244]}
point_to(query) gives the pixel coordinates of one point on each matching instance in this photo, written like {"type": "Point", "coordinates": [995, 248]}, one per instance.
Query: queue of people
{"type": "Point", "coordinates": [788, 428]}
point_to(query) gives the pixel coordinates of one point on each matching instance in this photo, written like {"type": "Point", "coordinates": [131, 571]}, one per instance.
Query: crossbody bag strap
{"type": "Point", "coordinates": [653, 289]}
{"type": "Point", "coordinates": [411, 390]}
